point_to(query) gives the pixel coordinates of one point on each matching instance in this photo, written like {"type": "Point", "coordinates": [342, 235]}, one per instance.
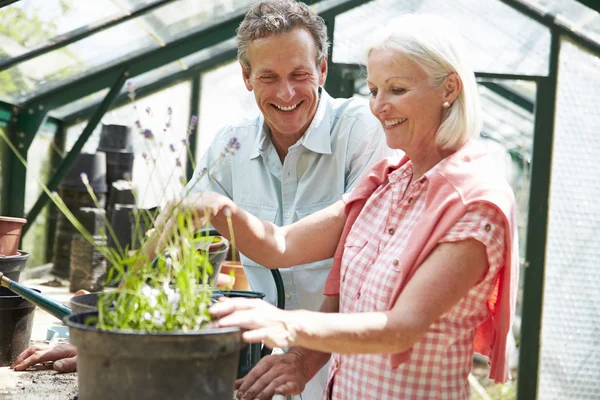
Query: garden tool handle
{"type": "Point", "coordinates": [55, 308]}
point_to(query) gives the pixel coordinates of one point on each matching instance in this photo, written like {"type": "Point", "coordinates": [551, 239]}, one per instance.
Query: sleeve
{"type": "Point", "coordinates": [368, 148]}
{"type": "Point", "coordinates": [482, 222]}
{"type": "Point", "coordinates": [214, 169]}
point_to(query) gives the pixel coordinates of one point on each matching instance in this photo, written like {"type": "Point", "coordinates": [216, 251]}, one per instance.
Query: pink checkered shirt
{"type": "Point", "coordinates": [441, 360]}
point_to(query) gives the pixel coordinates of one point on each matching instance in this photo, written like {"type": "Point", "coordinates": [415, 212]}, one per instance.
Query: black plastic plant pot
{"type": "Point", "coordinates": [250, 354]}
{"type": "Point", "coordinates": [91, 164]}
{"type": "Point", "coordinates": [121, 219]}
{"type": "Point", "coordinates": [16, 323]}
{"type": "Point", "coordinates": [121, 192]}
{"type": "Point", "coordinates": [92, 219]}
{"type": "Point", "coordinates": [116, 138]}
{"type": "Point", "coordinates": [119, 365]}
{"type": "Point", "coordinates": [12, 266]}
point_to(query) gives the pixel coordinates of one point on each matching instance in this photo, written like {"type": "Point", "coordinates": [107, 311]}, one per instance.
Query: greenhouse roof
{"type": "Point", "coordinates": [73, 41]}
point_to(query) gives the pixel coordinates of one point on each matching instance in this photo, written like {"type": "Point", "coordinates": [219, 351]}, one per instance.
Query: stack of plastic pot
{"type": "Point", "coordinates": [16, 313]}
{"type": "Point", "coordinates": [75, 195]}
{"type": "Point", "coordinates": [116, 141]}
{"type": "Point", "coordinates": [88, 265]}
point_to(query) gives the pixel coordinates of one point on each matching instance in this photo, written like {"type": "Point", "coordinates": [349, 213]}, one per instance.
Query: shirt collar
{"type": "Point", "coordinates": [317, 136]}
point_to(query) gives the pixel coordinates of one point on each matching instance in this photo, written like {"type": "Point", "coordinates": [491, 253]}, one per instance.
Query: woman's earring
{"type": "Point", "coordinates": [446, 105]}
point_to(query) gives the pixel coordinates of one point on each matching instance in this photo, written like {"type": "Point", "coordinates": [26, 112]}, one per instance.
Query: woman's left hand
{"type": "Point", "coordinates": [263, 321]}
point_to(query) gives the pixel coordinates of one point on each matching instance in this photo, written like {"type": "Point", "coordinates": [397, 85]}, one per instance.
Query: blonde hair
{"type": "Point", "coordinates": [437, 46]}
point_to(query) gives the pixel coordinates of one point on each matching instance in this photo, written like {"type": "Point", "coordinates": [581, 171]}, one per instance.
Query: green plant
{"type": "Point", "coordinates": [169, 291]}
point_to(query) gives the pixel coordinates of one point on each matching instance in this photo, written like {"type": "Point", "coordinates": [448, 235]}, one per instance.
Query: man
{"type": "Point", "coordinates": [305, 149]}
{"type": "Point", "coordinates": [301, 154]}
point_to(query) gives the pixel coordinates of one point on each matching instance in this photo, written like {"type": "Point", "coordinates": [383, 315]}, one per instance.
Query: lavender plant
{"type": "Point", "coordinates": [169, 291]}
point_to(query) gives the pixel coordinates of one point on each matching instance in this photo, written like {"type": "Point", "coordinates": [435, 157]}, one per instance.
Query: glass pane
{"type": "Point", "coordinates": [223, 86]}
{"type": "Point", "coordinates": [574, 14]}
{"type": "Point", "coordinates": [569, 366]}
{"type": "Point", "coordinates": [184, 16]}
{"type": "Point", "coordinates": [148, 78]}
{"type": "Point", "coordinates": [150, 31]}
{"type": "Point", "coordinates": [155, 182]}
{"type": "Point", "coordinates": [29, 24]}
{"type": "Point", "coordinates": [489, 27]}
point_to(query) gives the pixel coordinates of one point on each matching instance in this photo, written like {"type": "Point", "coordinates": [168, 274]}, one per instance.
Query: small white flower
{"type": "Point", "coordinates": [84, 178]}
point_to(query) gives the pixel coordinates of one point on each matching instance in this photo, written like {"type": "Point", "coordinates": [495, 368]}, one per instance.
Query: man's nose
{"type": "Point", "coordinates": [286, 91]}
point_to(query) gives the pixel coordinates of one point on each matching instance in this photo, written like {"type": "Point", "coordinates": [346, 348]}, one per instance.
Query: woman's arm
{"type": "Point", "coordinates": [439, 283]}
{"type": "Point", "coordinates": [313, 238]}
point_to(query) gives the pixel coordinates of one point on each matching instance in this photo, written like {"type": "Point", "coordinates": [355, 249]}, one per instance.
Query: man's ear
{"type": "Point", "coordinates": [323, 71]}
{"type": "Point", "coordinates": [246, 76]}
{"type": "Point", "coordinates": [452, 87]}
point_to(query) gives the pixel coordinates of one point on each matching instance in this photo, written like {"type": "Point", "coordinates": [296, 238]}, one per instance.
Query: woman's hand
{"type": "Point", "coordinates": [263, 321]}
{"type": "Point", "coordinates": [63, 355]}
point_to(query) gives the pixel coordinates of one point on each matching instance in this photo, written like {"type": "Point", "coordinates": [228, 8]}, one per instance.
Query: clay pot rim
{"type": "Point", "coordinates": [20, 255]}
{"type": "Point", "coordinates": [13, 219]}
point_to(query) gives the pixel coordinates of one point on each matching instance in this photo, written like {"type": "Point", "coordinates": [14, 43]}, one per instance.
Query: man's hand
{"type": "Point", "coordinates": [63, 355]}
{"type": "Point", "coordinates": [284, 374]}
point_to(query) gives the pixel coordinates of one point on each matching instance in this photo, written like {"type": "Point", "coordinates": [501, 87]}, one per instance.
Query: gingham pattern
{"type": "Point", "coordinates": [441, 361]}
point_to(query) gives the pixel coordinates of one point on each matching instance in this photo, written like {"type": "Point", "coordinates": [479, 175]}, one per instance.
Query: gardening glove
{"type": "Point", "coordinates": [281, 374]}
{"type": "Point", "coordinates": [63, 355]}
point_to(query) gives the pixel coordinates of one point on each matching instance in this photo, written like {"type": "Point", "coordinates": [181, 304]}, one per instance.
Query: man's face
{"type": "Point", "coordinates": [285, 81]}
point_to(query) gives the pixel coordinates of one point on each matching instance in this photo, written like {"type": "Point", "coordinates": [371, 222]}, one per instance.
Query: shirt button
{"type": "Point", "coordinates": [358, 295]}
{"type": "Point", "coordinates": [288, 296]}
{"type": "Point", "coordinates": [395, 262]}
{"type": "Point", "coordinates": [422, 180]}
{"type": "Point", "coordinates": [488, 227]}
{"type": "Point", "coordinates": [288, 215]}
{"type": "Point", "coordinates": [391, 231]}
{"type": "Point", "coordinates": [409, 200]}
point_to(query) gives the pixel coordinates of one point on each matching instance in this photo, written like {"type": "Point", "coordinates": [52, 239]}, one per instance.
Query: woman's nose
{"type": "Point", "coordinates": [379, 105]}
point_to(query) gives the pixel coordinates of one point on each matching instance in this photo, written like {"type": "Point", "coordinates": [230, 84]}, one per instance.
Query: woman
{"type": "Point", "coordinates": [425, 268]}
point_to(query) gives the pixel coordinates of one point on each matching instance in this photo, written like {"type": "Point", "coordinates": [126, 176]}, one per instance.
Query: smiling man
{"type": "Point", "coordinates": [302, 152]}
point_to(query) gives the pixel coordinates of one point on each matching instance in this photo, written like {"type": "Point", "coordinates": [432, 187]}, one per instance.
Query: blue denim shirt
{"type": "Point", "coordinates": [341, 143]}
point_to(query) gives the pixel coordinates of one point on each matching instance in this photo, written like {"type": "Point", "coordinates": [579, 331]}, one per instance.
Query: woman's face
{"type": "Point", "coordinates": [402, 98]}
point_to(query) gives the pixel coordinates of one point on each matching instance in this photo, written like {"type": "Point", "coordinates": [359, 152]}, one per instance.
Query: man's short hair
{"type": "Point", "coordinates": [271, 17]}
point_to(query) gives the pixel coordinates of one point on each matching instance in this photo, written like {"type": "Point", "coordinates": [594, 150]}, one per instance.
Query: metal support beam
{"type": "Point", "coordinates": [161, 82]}
{"type": "Point", "coordinates": [81, 33]}
{"type": "Point", "coordinates": [510, 94]}
{"type": "Point", "coordinates": [4, 3]}
{"type": "Point", "coordinates": [537, 228]}
{"type": "Point", "coordinates": [194, 110]}
{"type": "Point", "coordinates": [20, 132]}
{"type": "Point", "coordinates": [66, 164]}
{"type": "Point", "coordinates": [548, 19]}
{"type": "Point", "coordinates": [137, 65]}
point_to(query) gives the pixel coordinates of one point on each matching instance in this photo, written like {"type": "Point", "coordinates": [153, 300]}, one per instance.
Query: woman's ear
{"type": "Point", "coordinates": [452, 87]}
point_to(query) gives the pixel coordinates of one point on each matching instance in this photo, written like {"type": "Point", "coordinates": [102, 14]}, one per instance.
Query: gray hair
{"type": "Point", "coordinates": [437, 46]}
{"type": "Point", "coordinates": [271, 17]}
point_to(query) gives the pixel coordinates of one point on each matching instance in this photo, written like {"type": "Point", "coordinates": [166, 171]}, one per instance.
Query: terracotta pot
{"type": "Point", "coordinates": [241, 283]}
{"type": "Point", "coordinates": [10, 233]}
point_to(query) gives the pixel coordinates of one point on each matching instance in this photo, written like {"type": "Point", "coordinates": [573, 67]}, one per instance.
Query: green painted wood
{"type": "Point", "coordinates": [537, 228]}
{"type": "Point", "coordinates": [194, 111]}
